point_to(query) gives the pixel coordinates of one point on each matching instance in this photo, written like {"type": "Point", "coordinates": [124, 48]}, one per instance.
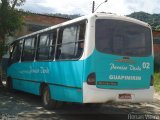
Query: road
{"type": "Point", "coordinates": [25, 106]}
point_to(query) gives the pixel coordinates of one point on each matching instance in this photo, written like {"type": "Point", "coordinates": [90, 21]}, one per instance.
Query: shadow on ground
{"type": "Point", "coordinates": [28, 106]}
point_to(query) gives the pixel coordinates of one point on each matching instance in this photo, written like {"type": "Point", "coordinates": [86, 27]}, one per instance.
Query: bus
{"type": "Point", "coordinates": [96, 58]}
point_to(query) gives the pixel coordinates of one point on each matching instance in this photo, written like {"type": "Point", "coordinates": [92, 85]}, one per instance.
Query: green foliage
{"type": "Point", "coordinates": [16, 3]}
{"type": "Point", "coordinates": [157, 81]}
{"type": "Point", "coordinates": [10, 21]}
{"type": "Point", "coordinates": [157, 27]}
{"type": "Point", "coordinates": [152, 19]}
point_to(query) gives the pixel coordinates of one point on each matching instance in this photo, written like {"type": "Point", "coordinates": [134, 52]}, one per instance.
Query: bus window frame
{"type": "Point", "coordinates": [57, 30]}
{"type": "Point", "coordinates": [50, 33]}
{"type": "Point", "coordinates": [85, 21]}
{"type": "Point", "coordinates": [11, 50]}
{"type": "Point", "coordinates": [35, 48]}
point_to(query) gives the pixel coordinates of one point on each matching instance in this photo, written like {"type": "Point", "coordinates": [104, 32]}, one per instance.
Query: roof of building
{"type": "Point", "coordinates": [45, 14]}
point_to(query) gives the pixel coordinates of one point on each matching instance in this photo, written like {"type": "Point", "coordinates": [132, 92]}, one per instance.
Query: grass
{"type": "Point", "coordinates": [157, 81]}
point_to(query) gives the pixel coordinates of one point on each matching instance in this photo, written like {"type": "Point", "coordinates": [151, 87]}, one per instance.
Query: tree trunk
{"type": "Point", "coordinates": [1, 84]}
{"type": "Point", "coordinates": [1, 53]}
{"type": "Point", "coordinates": [14, 4]}
{"type": "Point", "coordinates": [2, 42]}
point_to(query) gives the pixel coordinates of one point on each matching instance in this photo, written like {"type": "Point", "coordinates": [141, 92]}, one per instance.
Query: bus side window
{"type": "Point", "coordinates": [67, 45]}
{"type": "Point", "coordinates": [71, 42]}
{"type": "Point", "coordinates": [29, 49]}
{"type": "Point", "coordinates": [80, 43]}
{"type": "Point", "coordinates": [16, 52]}
{"type": "Point", "coordinates": [43, 47]}
{"type": "Point", "coordinates": [46, 46]}
{"type": "Point", "coordinates": [52, 45]}
{"type": "Point", "coordinates": [58, 49]}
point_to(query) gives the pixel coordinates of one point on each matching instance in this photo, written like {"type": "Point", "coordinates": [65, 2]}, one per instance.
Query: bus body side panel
{"type": "Point", "coordinates": [67, 83]}
{"type": "Point", "coordinates": [66, 94]}
{"type": "Point", "coordinates": [63, 77]}
{"type": "Point", "coordinates": [22, 77]}
{"type": "Point", "coordinates": [27, 86]}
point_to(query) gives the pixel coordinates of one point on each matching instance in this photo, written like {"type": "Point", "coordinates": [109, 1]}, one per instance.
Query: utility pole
{"type": "Point", "coordinates": [93, 6]}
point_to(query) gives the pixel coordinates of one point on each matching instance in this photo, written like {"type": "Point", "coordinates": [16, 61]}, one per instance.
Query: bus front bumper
{"type": "Point", "coordinates": [92, 94]}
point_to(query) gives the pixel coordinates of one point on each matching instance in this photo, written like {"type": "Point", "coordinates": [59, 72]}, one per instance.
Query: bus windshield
{"type": "Point", "coordinates": [122, 38]}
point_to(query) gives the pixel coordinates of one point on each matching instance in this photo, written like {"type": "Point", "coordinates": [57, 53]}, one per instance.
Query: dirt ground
{"type": "Point", "coordinates": [24, 106]}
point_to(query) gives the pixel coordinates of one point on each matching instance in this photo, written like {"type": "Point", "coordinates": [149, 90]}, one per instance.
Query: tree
{"type": "Point", "coordinates": [10, 20]}
{"type": "Point", "coordinates": [152, 19]}
{"type": "Point", "coordinates": [16, 3]}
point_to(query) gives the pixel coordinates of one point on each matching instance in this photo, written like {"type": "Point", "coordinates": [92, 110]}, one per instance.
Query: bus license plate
{"type": "Point", "coordinates": [125, 96]}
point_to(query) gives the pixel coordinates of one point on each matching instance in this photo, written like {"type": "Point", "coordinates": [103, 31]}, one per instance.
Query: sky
{"type": "Point", "coordinates": [84, 7]}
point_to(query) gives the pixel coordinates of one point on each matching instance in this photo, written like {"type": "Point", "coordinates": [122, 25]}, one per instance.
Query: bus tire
{"type": "Point", "coordinates": [93, 105]}
{"type": "Point", "coordinates": [9, 85]}
{"type": "Point", "coordinates": [48, 103]}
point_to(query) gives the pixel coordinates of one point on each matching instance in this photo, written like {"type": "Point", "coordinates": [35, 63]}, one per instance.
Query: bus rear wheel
{"type": "Point", "coordinates": [48, 103]}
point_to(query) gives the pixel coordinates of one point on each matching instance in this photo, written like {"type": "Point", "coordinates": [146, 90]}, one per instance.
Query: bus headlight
{"type": "Point", "coordinates": [91, 80]}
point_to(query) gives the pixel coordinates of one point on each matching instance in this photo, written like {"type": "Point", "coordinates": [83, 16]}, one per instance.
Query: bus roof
{"type": "Point", "coordinates": [119, 17]}
{"type": "Point", "coordinates": [101, 15]}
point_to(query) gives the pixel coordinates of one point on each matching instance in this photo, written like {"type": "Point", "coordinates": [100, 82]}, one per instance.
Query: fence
{"type": "Point", "coordinates": [157, 50]}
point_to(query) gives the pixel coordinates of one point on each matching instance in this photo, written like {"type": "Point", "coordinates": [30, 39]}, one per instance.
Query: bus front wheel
{"type": "Point", "coordinates": [48, 103]}
{"type": "Point", "coordinates": [9, 83]}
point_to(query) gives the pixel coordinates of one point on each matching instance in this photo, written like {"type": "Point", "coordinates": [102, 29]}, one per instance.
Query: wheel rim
{"type": "Point", "coordinates": [46, 97]}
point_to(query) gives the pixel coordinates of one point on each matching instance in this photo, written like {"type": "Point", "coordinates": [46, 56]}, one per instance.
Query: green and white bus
{"type": "Point", "coordinates": [92, 59]}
